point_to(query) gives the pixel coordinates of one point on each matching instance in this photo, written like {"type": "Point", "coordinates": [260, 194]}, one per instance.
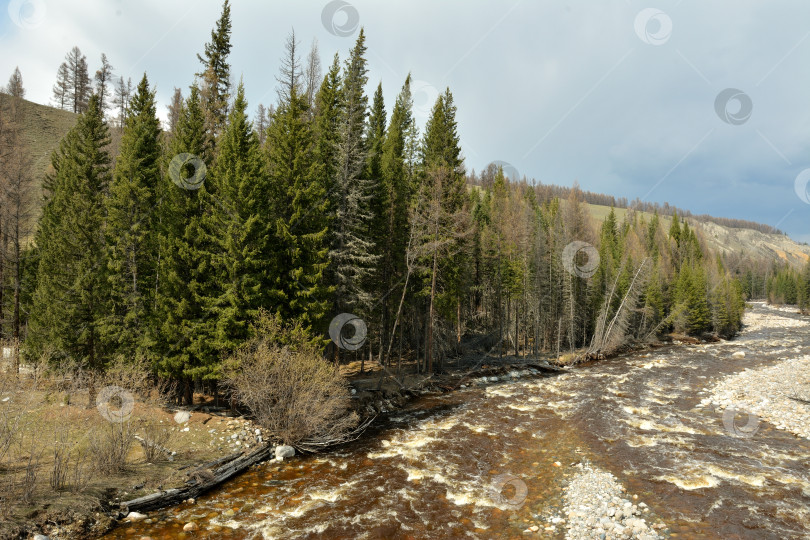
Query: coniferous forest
{"type": "Point", "coordinates": [329, 202]}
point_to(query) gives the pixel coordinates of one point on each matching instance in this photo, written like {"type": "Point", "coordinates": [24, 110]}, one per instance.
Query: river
{"type": "Point", "coordinates": [436, 468]}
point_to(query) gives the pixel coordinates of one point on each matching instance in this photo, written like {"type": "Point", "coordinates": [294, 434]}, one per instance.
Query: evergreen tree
{"type": "Point", "coordinates": [675, 229]}
{"type": "Point", "coordinates": [327, 123]}
{"type": "Point", "coordinates": [238, 231]}
{"type": "Point", "coordinates": [130, 229]}
{"type": "Point", "coordinates": [69, 300]}
{"type": "Point", "coordinates": [444, 184]}
{"type": "Point", "coordinates": [392, 198]}
{"type": "Point", "coordinates": [351, 256]}
{"type": "Point", "coordinates": [375, 137]}
{"type": "Point", "coordinates": [183, 333]}
{"type": "Point", "coordinates": [216, 77]}
{"type": "Point", "coordinates": [298, 193]}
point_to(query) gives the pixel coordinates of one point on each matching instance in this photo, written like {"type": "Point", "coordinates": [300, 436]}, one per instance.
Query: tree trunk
{"type": "Point", "coordinates": [430, 311]}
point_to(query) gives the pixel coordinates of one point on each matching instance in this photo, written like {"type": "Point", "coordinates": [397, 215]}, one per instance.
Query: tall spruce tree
{"type": "Point", "coordinates": [70, 298]}
{"type": "Point", "coordinates": [237, 230]}
{"type": "Point", "coordinates": [216, 73]}
{"type": "Point", "coordinates": [352, 253]}
{"type": "Point", "coordinates": [130, 228]}
{"type": "Point", "coordinates": [326, 130]}
{"type": "Point", "coordinates": [391, 228]}
{"type": "Point", "coordinates": [183, 333]}
{"type": "Point", "coordinates": [298, 201]}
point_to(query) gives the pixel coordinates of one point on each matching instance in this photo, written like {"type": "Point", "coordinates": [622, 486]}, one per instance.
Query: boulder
{"type": "Point", "coordinates": [284, 451]}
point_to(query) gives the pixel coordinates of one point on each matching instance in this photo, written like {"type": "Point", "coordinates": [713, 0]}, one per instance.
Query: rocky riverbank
{"type": "Point", "coordinates": [597, 506]}
{"type": "Point", "coordinates": [778, 394]}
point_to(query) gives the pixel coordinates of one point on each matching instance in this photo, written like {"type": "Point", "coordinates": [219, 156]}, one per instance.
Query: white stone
{"type": "Point", "coordinates": [284, 451]}
{"type": "Point", "coordinates": [135, 516]}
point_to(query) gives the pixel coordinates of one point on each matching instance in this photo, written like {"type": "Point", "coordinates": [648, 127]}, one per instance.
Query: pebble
{"type": "Point", "coordinates": [597, 508]}
{"type": "Point", "coordinates": [190, 526]}
{"type": "Point", "coordinates": [765, 393]}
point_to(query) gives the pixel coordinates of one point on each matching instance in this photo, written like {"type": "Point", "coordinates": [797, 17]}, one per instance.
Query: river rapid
{"type": "Point", "coordinates": [493, 460]}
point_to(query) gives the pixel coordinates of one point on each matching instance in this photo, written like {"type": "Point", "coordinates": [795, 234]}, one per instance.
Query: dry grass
{"type": "Point", "coordinates": [57, 456]}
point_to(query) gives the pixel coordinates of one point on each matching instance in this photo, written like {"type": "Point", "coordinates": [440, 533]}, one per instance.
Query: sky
{"type": "Point", "coordinates": [703, 105]}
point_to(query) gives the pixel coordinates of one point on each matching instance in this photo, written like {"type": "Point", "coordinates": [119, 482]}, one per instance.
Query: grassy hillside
{"type": "Point", "coordinates": [42, 129]}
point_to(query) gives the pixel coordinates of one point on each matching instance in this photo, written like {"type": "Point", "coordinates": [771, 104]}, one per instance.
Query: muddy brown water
{"type": "Point", "coordinates": [482, 462]}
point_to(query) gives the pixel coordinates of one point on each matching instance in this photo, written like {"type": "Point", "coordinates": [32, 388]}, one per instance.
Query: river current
{"type": "Point", "coordinates": [492, 459]}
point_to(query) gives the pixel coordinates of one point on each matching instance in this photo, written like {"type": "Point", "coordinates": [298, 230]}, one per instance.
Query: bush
{"type": "Point", "coordinates": [282, 378]}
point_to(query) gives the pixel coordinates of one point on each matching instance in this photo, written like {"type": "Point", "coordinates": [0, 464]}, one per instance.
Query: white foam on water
{"type": "Point", "coordinates": [757, 481]}
{"type": "Point", "coordinates": [500, 391]}
{"type": "Point", "coordinates": [692, 483]}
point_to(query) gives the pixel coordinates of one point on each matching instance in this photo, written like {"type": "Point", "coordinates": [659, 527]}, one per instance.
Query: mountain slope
{"type": "Point", "coordinates": [42, 129]}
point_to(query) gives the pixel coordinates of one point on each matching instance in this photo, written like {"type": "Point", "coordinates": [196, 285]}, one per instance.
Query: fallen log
{"type": "Point", "coordinates": [215, 462]}
{"type": "Point", "coordinates": [201, 480]}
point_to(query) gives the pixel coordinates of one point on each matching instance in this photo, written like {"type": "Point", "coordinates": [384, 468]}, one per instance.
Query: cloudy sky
{"type": "Point", "coordinates": [703, 105]}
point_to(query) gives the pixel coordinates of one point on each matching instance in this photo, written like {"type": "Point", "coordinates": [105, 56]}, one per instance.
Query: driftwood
{"type": "Point", "coordinates": [201, 479]}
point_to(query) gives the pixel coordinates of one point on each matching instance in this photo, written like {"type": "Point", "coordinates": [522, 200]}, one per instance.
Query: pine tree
{"type": "Point", "coordinates": [351, 256]}
{"type": "Point", "coordinates": [130, 226]}
{"type": "Point", "coordinates": [326, 130]}
{"type": "Point", "coordinates": [15, 84]}
{"type": "Point", "coordinates": [216, 77]}
{"type": "Point", "coordinates": [675, 229]}
{"type": "Point", "coordinates": [183, 333]}
{"type": "Point", "coordinates": [238, 231]}
{"type": "Point", "coordinates": [392, 199]}
{"type": "Point", "coordinates": [298, 188]}
{"type": "Point", "coordinates": [444, 184]}
{"type": "Point", "coordinates": [69, 300]}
